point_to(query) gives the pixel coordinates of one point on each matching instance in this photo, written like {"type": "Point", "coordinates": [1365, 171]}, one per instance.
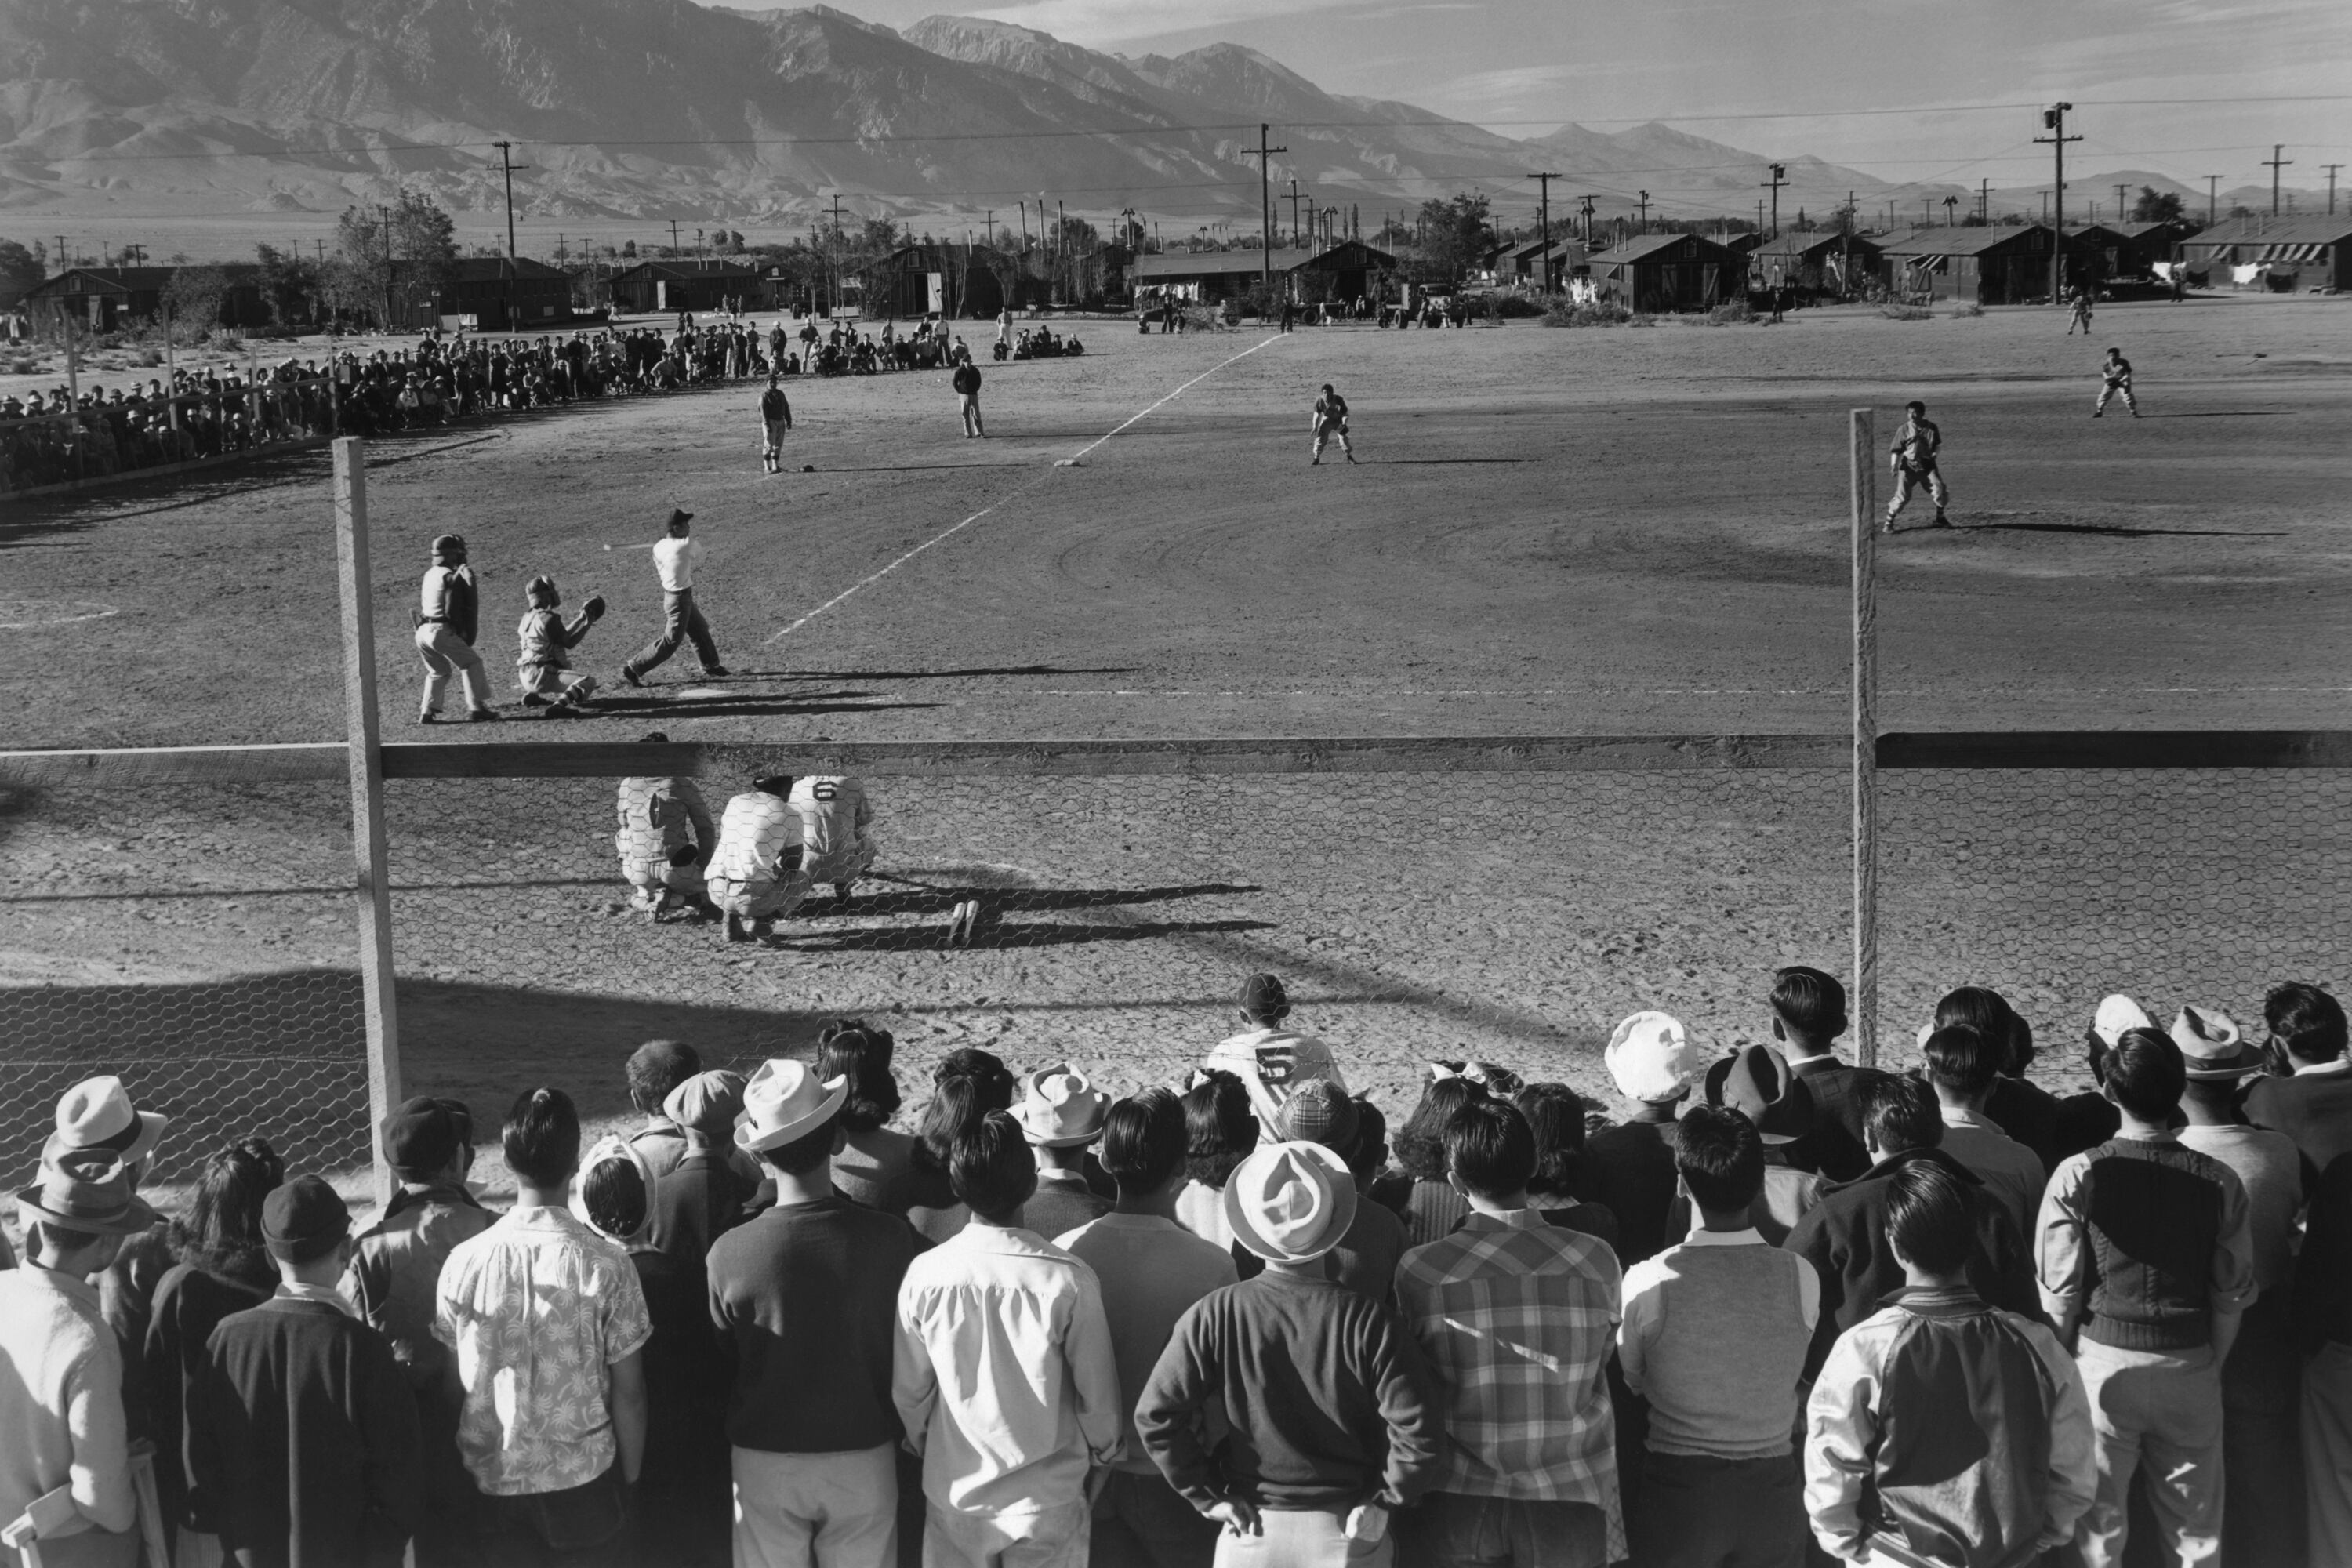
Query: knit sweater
{"type": "Point", "coordinates": [1715, 1335]}
{"type": "Point", "coordinates": [2142, 1241]}
{"type": "Point", "coordinates": [305, 1439]}
{"type": "Point", "coordinates": [802, 1275]}
{"type": "Point", "coordinates": [1331, 1402]}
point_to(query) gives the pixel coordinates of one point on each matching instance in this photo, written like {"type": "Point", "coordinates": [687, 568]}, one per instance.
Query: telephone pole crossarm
{"type": "Point", "coordinates": [1263, 153]}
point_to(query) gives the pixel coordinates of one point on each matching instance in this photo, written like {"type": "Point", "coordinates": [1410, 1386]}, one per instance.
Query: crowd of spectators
{"type": "Point", "coordinates": [1780, 1305]}
{"type": "Point", "coordinates": [52, 438]}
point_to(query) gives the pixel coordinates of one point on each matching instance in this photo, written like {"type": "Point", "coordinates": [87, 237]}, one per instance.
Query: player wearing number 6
{"type": "Point", "coordinates": [834, 816]}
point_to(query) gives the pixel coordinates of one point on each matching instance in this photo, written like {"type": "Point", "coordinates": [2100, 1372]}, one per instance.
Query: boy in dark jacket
{"type": "Point", "coordinates": [303, 1432]}
{"type": "Point", "coordinates": [1885, 1463]}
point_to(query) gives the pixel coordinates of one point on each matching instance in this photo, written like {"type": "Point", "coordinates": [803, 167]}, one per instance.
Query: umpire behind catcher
{"type": "Point", "coordinates": [449, 614]}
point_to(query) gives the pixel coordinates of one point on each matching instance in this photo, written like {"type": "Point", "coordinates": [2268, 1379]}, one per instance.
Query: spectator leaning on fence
{"type": "Point", "coordinates": [1517, 1317]}
{"type": "Point", "coordinates": [2146, 1261]}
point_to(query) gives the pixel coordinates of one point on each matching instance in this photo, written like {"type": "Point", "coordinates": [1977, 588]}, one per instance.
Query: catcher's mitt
{"type": "Point", "coordinates": [594, 608]}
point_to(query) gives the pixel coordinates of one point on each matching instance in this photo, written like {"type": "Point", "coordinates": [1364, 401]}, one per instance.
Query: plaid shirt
{"type": "Point", "coordinates": [1518, 1317]}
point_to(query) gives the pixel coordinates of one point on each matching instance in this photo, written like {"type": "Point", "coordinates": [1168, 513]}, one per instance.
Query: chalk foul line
{"type": "Point", "coordinates": [945, 534]}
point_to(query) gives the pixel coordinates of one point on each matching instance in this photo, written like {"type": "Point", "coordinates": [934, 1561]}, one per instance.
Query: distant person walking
{"type": "Point", "coordinates": [2115, 376]}
{"type": "Point", "coordinates": [1330, 422]}
{"type": "Point", "coordinates": [675, 559]}
{"type": "Point", "coordinates": [966, 382]}
{"type": "Point", "coordinates": [1913, 458]}
{"type": "Point", "coordinates": [449, 614]}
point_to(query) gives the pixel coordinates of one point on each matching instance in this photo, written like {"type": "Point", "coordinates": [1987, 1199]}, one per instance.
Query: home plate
{"type": "Point", "coordinates": [1068, 463]}
{"type": "Point", "coordinates": [702, 691]}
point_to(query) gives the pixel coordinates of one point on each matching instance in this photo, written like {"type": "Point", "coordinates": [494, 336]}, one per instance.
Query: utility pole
{"type": "Point", "coordinates": [1588, 218]}
{"type": "Point", "coordinates": [2054, 120]}
{"type": "Point", "coordinates": [507, 165]}
{"type": "Point", "coordinates": [2274, 164]}
{"type": "Point", "coordinates": [387, 213]}
{"type": "Point", "coordinates": [673, 237]}
{"type": "Point", "coordinates": [1950, 203]}
{"type": "Point", "coordinates": [1984, 203]}
{"type": "Point", "coordinates": [1543, 206]}
{"type": "Point", "coordinates": [1292, 199]}
{"type": "Point", "coordinates": [1779, 177]}
{"type": "Point", "coordinates": [1266, 153]}
{"type": "Point", "coordinates": [2120, 209]}
{"type": "Point", "coordinates": [1644, 205]}
{"type": "Point", "coordinates": [2212, 198]}
{"type": "Point", "coordinates": [2331, 168]}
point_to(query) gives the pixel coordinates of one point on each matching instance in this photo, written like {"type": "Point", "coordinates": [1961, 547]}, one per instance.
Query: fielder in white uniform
{"type": "Point", "coordinates": [836, 844]}
{"type": "Point", "coordinates": [755, 876]}
{"type": "Point", "coordinates": [2115, 375]}
{"type": "Point", "coordinates": [1913, 458]}
{"type": "Point", "coordinates": [664, 836]}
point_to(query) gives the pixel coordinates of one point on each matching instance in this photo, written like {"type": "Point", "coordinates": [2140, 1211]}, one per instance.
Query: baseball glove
{"type": "Point", "coordinates": [594, 608]}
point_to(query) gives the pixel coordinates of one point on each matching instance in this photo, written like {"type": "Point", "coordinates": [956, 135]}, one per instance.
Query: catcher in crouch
{"type": "Point", "coordinates": [835, 815]}
{"type": "Point", "coordinates": [755, 875]}
{"type": "Point", "coordinates": [545, 662]}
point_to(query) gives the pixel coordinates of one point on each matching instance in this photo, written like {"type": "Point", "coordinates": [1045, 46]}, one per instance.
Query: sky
{"type": "Point", "coordinates": [2184, 88]}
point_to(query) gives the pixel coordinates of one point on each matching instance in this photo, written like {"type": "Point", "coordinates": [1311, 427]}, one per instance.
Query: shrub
{"type": "Point", "coordinates": [150, 358]}
{"type": "Point", "coordinates": [1907, 312]}
{"type": "Point", "coordinates": [1517, 307]}
{"type": "Point", "coordinates": [1602, 313]}
{"type": "Point", "coordinates": [24, 367]}
{"type": "Point", "coordinates": [1962, 312]}
{"type": "Point", "coordinates": [1732, 313]}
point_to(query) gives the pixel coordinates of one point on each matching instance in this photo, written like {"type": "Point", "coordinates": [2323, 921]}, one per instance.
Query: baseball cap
{"type": "Point", "coordinates": [420, 1139]}
{"type": "Point", "coordinates": [1263, 993]}
{"type": "Point", "coordinates": [1319, 1112]}
{"type": "Point", "coordinates": [304, 1219]}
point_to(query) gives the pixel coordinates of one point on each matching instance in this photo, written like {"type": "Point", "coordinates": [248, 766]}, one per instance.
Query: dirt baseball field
{"type": "Point", "coordinates": [1548, 532]}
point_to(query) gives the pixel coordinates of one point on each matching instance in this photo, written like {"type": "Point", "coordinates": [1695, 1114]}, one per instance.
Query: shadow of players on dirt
{"type": "Point", "coordinates": [906, 898]}
{"type": "Point", "coordinates": [997, 934]}
{"type": "Point", "coordinates": [2116, 531]}
{"type": "Point", "coordinates": [747, 705]}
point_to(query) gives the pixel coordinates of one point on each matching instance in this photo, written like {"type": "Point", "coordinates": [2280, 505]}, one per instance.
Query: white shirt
{"type": "Point", "coordinates": [295, 1290]}
{"type": "Point", "coordinates": [675, 561]}
{"type": "Point", "coordinates": [1004, 1373]}
{"type": "Point", "coordinates": [2311, 1069]}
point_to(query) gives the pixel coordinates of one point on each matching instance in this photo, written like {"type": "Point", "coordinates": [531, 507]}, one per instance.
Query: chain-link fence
{"type": "Point", "coordinates": [199, 940]}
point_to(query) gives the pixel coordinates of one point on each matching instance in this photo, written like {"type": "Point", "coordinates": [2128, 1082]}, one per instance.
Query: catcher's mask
{"type": "Point", "coordinates": [540, 593]}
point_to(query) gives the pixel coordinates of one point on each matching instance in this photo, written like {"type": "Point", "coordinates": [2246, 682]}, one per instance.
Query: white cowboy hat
{"type": "Point", "coordinates": [2116, 1014]}
{"type": "Point", "coordinates": [1060, 1109]}
{"type": "Point", "coordinates": [782, 1101]}
{"type": "Point", "coordinates": [97, 1113]}
{"type": "Point", "coordinates": [1291, 1203]}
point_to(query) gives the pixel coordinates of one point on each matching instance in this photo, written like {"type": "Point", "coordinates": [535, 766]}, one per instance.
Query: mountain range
{"type": "Point", "coordinates": [648, 109]}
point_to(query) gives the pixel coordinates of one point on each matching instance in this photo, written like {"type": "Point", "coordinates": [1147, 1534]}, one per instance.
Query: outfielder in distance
{"type": "Point", "coordinates": [2115, 375]}
{"type": "Point", "coordinates": [1913, 458]}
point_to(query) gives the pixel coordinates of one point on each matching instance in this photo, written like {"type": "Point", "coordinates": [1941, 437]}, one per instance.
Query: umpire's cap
{"type": "Point", "coordinates": [449, 545]}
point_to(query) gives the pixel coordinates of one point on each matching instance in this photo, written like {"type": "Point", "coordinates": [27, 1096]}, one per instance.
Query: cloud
{"type": "Point", "coordinates": [1098, 23]}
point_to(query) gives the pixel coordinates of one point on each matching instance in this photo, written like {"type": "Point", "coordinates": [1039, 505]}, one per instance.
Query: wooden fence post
{"type": "Point", "coordinates": [369, 848]}
{"type": "Point", "coordinates": [1863, 454]}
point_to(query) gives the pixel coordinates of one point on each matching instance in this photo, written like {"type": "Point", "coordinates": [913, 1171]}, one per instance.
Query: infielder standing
{"type": "Point", "coordinates": [449, 614]}
{"type": "Point", "coordinates": [1330, 420]}
{"type": "Point", "coordinates": [1913, 458]}
{"type": "Point", "coordinates": [755, 875]}
{"type": "Point", "coordinates": [776, 418]}
{"type": "Point", "coordinates": [836, 847]}
{"type": "Point", "coordinates": [675, 559]}
{"type": "Point", "coordinates": [2081, 315]}
{"type": "Point", "coordinates": [2115, 375]}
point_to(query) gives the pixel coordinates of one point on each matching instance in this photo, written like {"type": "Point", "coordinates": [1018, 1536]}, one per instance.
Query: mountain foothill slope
{"type": "Point", "coordinates": [657, 107]}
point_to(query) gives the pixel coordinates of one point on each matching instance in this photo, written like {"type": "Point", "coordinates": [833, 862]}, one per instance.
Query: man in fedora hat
{"type": "Point", "coordinates": [62, 1417]}
{"type": "Point", "coordinates": [814, 1436]}
{"type": "Point", "coordinates": [1653, 1063]}
{"type": "Point", "coordinates": [1756, 1081]}
{"type": "Point", "coordinates": [1061, 1115]}
{"type": "Point", "coordinates": [448, 618]}
{"type": "Point", "coordinates": [1334, 1411]}
{"type": "Point", "coordinates": [97, 1116]}
{"type": "Point", "coordinates": [302, 1431]}
{"type": "Point", "coordinates": [2262, 1449]}
{"type": "Point", "coordinates": [1004, 1373]}
{"type": "Point", "coordinates": [676, 557]}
